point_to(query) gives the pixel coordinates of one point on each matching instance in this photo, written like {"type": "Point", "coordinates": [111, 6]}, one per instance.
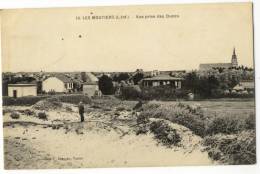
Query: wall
{"type": "Point", "coordinates": [53, 84]}
{"type": "Point", "coordinates": [90, 89]}
{"type": "Point", "coordinates": [22, 91]}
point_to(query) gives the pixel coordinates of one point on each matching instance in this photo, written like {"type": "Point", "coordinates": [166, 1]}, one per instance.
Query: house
{"type": "Point", "coordinates": [248, 86]}
{"type": "Point", "coordinates": [90, 86]}
{"type": "Point", "coordinates": [22, 89]}
{"type": "Point", "coordinates": [163, 80]}
{"type": "Point", "coordinates": [58, 83]}
{"type": "Point", "coordinates": [209, 66]}
{"type": "Point", "coordinates": [90, 89]}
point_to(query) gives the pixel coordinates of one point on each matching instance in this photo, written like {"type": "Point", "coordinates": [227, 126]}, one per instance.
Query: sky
{"type": "Point", "coordinates": [54, 40]}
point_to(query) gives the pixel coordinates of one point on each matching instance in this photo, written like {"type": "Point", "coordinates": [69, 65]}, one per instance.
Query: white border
{"type": "Point", "coordinates": [5, 4]}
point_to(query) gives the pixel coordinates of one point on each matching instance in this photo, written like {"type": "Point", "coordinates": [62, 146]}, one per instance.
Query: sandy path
{"type": "Point", "coordinates": [47, 148]}
{"type": "Point", "coordinates": [104, 141]}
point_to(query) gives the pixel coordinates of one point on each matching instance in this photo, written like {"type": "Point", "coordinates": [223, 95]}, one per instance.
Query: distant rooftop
{"type": "Point", "coordinates": [163, 77]}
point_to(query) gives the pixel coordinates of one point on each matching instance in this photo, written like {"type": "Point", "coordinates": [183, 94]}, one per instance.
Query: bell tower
{"type": "Point", "coordinates": [234, 62]}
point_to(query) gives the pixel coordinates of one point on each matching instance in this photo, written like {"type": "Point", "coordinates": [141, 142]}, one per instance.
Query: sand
{"type": "Point", "coordinates": [103, 140]}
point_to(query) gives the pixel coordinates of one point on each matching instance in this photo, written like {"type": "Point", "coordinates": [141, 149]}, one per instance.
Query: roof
{"type": "Point", "coordinates": [21, 84]}
{"type": "Point", "coordinates": [214, 65]}
{"type": "Point", "coordinates": [91, 77]}
{"type": "Point", "coordinates": [63, 78]}
{"type": "Point", "coordinates": [162, 77]}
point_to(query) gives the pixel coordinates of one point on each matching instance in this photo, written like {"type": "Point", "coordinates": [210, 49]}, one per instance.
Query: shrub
{"type": "Point", "coordinates": [42, 115]}
{"type": "Point", "coordinates": [232, 149]}
{"type": "Point", "coordinates": [177, 113]}
{"type": "Point", "coordinates": [226, 125]}
{"type": "Point", "coordinates": [164, 133]}
{"type": "Point", "coordinates": [162, 93]}
{"type": "Point", "coordinates": [130, 93]}
{"type": "Point", "coordinates": [15, 115]}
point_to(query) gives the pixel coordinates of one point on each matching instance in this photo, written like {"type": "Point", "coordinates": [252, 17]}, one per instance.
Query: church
{"type": "Point", "coordinates": [208, 66]}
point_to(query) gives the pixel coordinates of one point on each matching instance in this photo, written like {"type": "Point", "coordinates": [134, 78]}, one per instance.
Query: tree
{"type": "Point", "coordinates": [191, 82]}
{"type": "Point", "coordinates": [137, 77]}
{"type": "Point", "coordinates": [121, 77]}
{"type": "Point", "coordinates": [106, 85]}
{"type": "Point", "coordinates": [83, 76]}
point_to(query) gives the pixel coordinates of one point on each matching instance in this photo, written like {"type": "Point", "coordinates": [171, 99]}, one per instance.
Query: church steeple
{"type": "Point", "coordinates": [234, 62]}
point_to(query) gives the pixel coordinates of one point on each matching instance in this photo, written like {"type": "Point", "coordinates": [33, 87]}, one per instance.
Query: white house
{"type": "Point", "coordinates": [90, 87]}
{"type": "Point", "coordinates": [57, 83]}
{"type": "Point", "coordinates": [162, 80]}
{"type": "Point", "coordinates": [21, 90]}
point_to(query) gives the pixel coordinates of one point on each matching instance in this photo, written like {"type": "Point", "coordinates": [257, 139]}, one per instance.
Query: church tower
{"type": "Point", "coordinates": [234, 59]}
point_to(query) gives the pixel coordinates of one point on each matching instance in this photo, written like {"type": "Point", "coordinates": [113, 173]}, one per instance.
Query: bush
{"type": "Point", "coordinates": [130, 93]}
{"type": "Point", "coordinates": [177, 113]}
{"type": "Point", "coordinates": [15, 115]}
{"type": "Point", "coordinates": [235, 149]}
{"type": "Point", "coordinates": [162, 93]}
{"type": "Point", "coordinates": [42, 115]}
{"type": "Point", "coordinates": [164, 133]}
{"type": "Point", "coordinates": [226, 125]}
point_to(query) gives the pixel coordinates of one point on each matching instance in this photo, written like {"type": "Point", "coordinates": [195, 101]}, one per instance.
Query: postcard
{"type": "Point", "coordinates": [128, 86]}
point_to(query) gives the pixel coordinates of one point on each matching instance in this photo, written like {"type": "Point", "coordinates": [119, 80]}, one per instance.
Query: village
{"type": "Point", "coordinates": [230, 80]}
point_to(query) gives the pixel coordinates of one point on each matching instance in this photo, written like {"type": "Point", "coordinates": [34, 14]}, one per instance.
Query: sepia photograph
{"type": "Point", "coordinates": [128, 86]}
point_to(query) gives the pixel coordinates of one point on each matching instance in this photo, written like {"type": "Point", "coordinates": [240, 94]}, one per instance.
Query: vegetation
{"type": "Point", "coordinates": [152, 93]}
{"type": "Point", "coordinates": [106, 85]}
{"type": "Point", "coordinates": [138, 77]}
{"type": "Point", "coordinates": [121, 77]}
{"type": "Point", "coordinates": [177, 113]}
{"type": "Point", "coordinates": [235, 149]}
{"type": "Point", "coordinates": [15, 115]}
{"type": "Point", "coordinates": [42, 115]}
{"type": "Point", "coordinates": [164, 133]}
{"type": "Point", "coordinates": [213, 83]}
{"type": "Point", "coordinates": [29, 100]}
{"type": "Point", "coordinates": [229, 139]}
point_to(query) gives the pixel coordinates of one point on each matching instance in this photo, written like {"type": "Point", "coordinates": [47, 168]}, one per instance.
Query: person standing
{"type": "Point", "coordinates": [81, 111]}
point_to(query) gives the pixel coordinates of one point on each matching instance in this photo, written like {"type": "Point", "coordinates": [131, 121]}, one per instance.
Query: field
{"type": "Point", "coordinates": [234, 108]}
{"type": "Point", "coordinates": [48, 134]}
